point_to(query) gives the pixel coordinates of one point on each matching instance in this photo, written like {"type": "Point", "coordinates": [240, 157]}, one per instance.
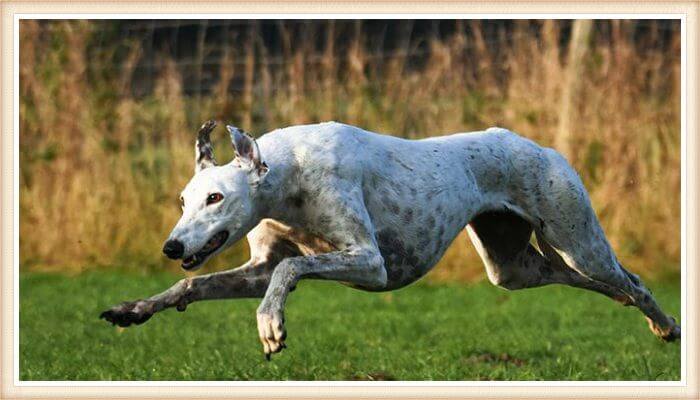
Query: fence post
{"type": "Point", "coordinates": [201, 52]}
{"type": "Point", "coordinates": [580, 34]}
{"type": "Point", "coordinates": [553, 68]}
{"type": "Point", "coordinates": [248, 77]}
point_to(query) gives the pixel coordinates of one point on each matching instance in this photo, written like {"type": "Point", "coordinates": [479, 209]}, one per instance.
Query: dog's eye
{"type": "Point", "coordinates": [214, 198]}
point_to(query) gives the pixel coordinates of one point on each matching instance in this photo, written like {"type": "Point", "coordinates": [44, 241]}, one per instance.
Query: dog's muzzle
{"type": "Point", "coordinates": [196, 259]}
{"type": "Point", "coordinates": [174, 249]}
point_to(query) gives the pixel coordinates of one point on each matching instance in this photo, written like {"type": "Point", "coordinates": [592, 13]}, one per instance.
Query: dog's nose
{"type": "Point", "coordinates": [173, 249]}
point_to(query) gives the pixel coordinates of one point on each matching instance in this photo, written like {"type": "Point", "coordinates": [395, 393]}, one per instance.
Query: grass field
{"type": "Point", "coordinates": [423, 332]}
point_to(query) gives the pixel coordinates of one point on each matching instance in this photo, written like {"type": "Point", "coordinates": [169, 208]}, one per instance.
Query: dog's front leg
{"type": "Point", "coordinates": [249, 280]}
{"type": "Point", "coordinates": [360, 266]}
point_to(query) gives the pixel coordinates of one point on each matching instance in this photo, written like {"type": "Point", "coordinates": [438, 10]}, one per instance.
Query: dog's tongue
{"type": "Point", "coordinates": [189, 261]}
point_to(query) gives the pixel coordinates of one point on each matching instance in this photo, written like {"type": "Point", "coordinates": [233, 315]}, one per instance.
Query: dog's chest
{"type": "Point", "coordinates": [412, 235]}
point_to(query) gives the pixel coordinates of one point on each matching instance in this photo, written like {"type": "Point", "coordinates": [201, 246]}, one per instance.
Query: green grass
{"type": "Point", "coordinates": [423, 332]}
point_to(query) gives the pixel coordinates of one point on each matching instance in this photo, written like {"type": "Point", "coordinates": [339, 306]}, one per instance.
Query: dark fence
{"type": "Point", "coordinates": [198, 46]}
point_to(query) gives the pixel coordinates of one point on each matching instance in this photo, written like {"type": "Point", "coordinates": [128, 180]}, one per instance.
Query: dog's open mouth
{"type": "Point", "coordinates": [211, 246]}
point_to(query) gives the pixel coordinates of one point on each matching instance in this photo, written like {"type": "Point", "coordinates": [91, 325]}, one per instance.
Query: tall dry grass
{"type": "Point", "coordinates": [101, 169]}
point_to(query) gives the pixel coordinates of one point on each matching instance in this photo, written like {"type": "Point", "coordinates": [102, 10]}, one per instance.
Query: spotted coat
{"type": "Point", "coordinates": [333, 201]}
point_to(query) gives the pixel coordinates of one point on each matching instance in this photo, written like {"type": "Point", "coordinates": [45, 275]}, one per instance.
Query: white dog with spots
{"type": "Point", "coordinates": [332, 201]}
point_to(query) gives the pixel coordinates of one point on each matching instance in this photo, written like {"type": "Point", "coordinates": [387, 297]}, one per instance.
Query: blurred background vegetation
{"type": "Point", "coordinates": [108, 112]}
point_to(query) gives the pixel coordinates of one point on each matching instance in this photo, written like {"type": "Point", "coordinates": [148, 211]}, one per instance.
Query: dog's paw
{"type": "Point", "coordinates": [673, 333]}
{"type": "Point", "coordinates": [127, 313]}
{"type": "Point", "coordinates": [271, 331]}
{"type": "Point", "coordinates": [668, 334]}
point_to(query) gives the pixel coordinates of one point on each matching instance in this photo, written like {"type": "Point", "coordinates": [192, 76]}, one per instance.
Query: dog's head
{"type": "Point", "coordinates": [218, 204]}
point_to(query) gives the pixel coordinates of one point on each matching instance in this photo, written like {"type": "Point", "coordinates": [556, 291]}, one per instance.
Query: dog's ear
{"type": "Point", "coordinates": [247, 151]}
{"type": "Point", "coordinates": [203, 151]}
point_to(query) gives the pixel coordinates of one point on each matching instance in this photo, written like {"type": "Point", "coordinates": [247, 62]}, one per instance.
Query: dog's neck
{"type": "Point", "coordinates": [273, 192]}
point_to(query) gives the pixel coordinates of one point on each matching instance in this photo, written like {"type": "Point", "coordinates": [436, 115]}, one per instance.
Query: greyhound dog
{"type": "Point", "coordinates": [376, 212]}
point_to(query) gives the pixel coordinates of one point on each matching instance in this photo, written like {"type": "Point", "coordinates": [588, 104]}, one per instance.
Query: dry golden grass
{"type": "Point", "coordinates": [101, 169]}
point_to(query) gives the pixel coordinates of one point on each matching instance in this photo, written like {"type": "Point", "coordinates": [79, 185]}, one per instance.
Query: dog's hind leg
{"type": "Point", "coordinates": [502, 240]}
{"type": "Point", "coordinates": [572, 230]}
{"type": "Point", "coordinates": [577, 279]}
{"type": "Point", "coordinates": [592, 257]}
